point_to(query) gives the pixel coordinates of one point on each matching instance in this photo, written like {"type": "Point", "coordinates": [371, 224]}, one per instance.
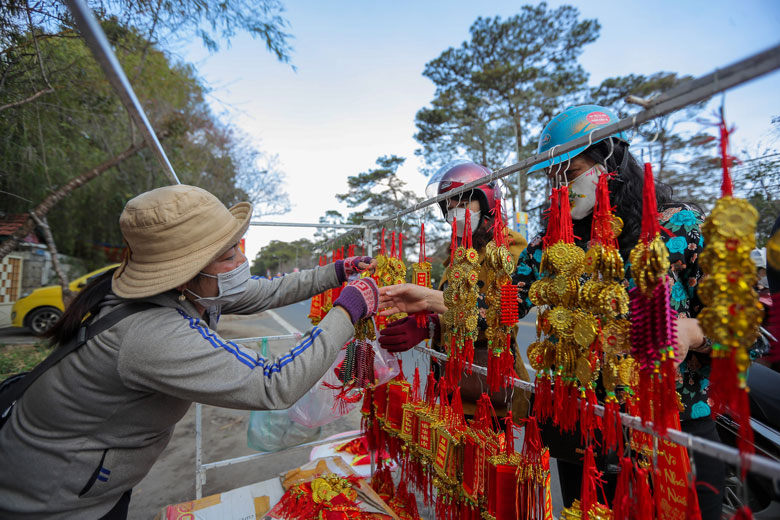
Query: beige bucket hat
{"type": "Point", "coordinates": [172, 233]}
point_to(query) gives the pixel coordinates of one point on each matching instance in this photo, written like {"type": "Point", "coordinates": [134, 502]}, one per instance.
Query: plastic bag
{"type": "Point", "coordinates": [316, 407]}
{"type": "Point", "coordinates": [274, 430]}
{"type": "Point", "coordinates": [386, 365]}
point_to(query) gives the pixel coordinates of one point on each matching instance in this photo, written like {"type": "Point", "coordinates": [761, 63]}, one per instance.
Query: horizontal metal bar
{"type": "Point", "coordinates": [302, 224]}
{"type": "Point", "coordinates": [688, 93]}
{"type": "Point", "coordinates": [755, 463]}
{"type": "Point", "coordinates": [98, 43]}
{"type": "Point", "coordinates": [269, 338]}
{"type": "Point", "coordinates": [246, 458]}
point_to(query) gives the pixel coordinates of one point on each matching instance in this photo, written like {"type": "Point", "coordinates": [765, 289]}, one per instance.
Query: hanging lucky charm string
{"type": "Point", "coordinates": [557, 293]}
{"type": "Point", "coordinates": [460, 296]}
{"type": "Point", "coordinates": [421, 272]}
{"type": "Point", "coordinates": [732, 314]}
{"type": "Point", "coordinates": [501, 298]}
{"type": "Point", "coordinates": [653, 327]}
{"type": "Point", "coordinates": [605, 303]}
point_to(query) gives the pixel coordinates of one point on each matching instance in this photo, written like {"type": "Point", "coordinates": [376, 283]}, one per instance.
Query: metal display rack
{"type": "Point", "coordinates": [690, 92]}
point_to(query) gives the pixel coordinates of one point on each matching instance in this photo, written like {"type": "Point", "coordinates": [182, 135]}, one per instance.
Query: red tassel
{"type": "Point", "coordinates": [645, 396]}
{"type": "Point", "coordinates": [743, 513]}
{"type": "Point", "coordinates": [745, 437]}
{"type": "Point", "coordinates": [644, 505]}
{"type": "Point", "coordinates": [560, 395]}
{"type": "Point", "coordinates": [588, 497]}
{"type": "Point", "coordinates": [543, 397]}
{"type": "Point", "coordinates": [622, 508]}
{"type": "Point", "coordinates": [612, 429]}
{"type": "Point", "coordinates": [468, 355]}
{"type": "Point", "coordinates": [726, 188]}
{"type": "Point", "coordinates": [650, 225]}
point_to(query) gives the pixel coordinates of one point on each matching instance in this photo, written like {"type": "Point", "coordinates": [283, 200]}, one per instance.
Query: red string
{"type": "Point", "coordinates": [498, 224]}
{"type": "Point", "coordinates": [510, 434]}
{"type": "Point", "coordinates": [726, 188]}
{"type": "Point", "coordinates": [650, 225]}
{"type": "Point", "coordinates": [565, 224]}
{"type": "Point", "coordinates": [553, 233]}
{"type": "Point", "coordinates": [422, 243]}
{"type": "Point", "coordinates": [454, 240]}
{"type": "Point", "coordinates": [467, 230]}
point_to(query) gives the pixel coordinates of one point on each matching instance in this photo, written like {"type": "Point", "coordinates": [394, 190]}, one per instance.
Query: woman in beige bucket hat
{"type": "Point", "coordinates": [90, 427]}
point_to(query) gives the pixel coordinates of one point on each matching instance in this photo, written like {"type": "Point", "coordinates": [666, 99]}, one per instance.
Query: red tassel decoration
{"type": "Point", "coordinates": [590, 475]}
{"type": "Point", "coordinates": [612, 428]}
{"type": "Point", "coordinates": [622, 504]}
{"type": "Point", "coordinates": [644, 504]}
{"type": "Point", "coordinates": [543, 395]}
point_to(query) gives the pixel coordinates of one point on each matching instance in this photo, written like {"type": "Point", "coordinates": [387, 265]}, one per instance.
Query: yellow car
{"type": "Point", "coordinates": [40, 309]}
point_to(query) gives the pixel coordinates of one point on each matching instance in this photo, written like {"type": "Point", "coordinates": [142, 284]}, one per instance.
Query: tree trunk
{"type": "Point", "coordinates": [67, 294]}
{"type": "Point", "coordinates": [522, 176]}
{"type": "Point", "coordinates": [43, 208]}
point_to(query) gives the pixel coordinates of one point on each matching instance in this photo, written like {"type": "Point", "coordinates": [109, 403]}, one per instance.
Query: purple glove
{"type": "Point", "coordinates": [360, 298]}
{"type": "Point", "coordinates": [401, 335]}
{"type": "Point", "coordinates": [349, 266]}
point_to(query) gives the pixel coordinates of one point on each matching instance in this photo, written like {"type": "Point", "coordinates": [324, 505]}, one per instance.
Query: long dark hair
{"type": "Point", "coordinates": [84, 304]}
{"type": "Point", "coordinates": [625, 192]}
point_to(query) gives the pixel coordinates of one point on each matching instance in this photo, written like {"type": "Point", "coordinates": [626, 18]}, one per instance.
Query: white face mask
{"type": "Point", "coordinates": [231, 284]}
{"type": "Point", "coordinates": [583, 192]}
{"type": "Point", "coordinates": [459, 216]}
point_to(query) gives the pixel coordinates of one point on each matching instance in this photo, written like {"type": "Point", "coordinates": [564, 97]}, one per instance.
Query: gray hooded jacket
{"type": "Point", "coordinates": [91, 427]}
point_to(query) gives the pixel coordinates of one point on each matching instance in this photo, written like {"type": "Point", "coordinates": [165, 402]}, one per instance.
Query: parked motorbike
{"type": "Point", "coordinates": [760, 493]}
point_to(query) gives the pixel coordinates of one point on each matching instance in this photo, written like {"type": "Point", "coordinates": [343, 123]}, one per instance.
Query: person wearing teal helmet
{"type": "Point", "coordinates": [580, 169]}
{"type": "Point", "coordinates": [574, 122]}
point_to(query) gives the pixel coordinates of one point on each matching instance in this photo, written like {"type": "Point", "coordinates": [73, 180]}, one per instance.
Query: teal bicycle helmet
{"type": "Point", "coordinates": [570, 124]}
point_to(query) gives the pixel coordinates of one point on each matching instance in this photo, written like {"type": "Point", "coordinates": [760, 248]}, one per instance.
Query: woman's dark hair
{"type": "Point", "coordinates": [85, 303]}
{"type": "Point", "coordinates": [625, 190]}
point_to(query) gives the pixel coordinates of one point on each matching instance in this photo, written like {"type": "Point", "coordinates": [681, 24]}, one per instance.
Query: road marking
{"type": "Point", "coordinates": [286, 325]}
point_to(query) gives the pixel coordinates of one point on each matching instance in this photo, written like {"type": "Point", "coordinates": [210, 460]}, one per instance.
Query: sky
{"type": "Point", "coordinates": [358, 81]}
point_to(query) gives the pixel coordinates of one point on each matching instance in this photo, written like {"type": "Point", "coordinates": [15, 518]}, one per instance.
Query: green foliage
{"type": "Point", "coordinates": [495, 92]}
{"type": "Point", "coordinates": [283, 257]}
{"type": "Point", "coordinates": [50, 141]}
{"type": "Point", "coordinates": [167, 22]}
{"type": "Point", "coordinates": [757, 179]}
{"type": "Point", "coordinates": [21, 358]}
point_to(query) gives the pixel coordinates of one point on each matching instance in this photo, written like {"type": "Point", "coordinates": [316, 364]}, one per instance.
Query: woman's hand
{"type": "Point", "coordinates": [689, 337]}
{"type": "Point", "coordinates": [410, 298]}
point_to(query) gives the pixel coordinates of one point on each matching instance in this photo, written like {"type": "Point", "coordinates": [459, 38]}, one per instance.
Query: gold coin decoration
{"type": "Point", "coordinates": [733, 314]}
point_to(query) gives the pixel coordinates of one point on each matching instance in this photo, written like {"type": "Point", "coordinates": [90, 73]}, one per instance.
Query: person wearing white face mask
{"type": "Point", "coordinates": [91, 426]}
{"type": "Point", "coordinates": [405, 333]}
{"type": "Point", "coordinates": [680, 230]}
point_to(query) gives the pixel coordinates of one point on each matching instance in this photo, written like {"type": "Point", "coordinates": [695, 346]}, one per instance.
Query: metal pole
{"type": "Point", "coordinates": [98, 43]}
{"type": "Point", "coordinates": [368, 242]}
{"type": "Point", "coordinates": [254, 456]}
{"type": "Point", "coordinates": [200, 472]}
{"type": "Point", "coordinates": [756, 463]}
{"type": "Point", "coordinates": [298, 224]}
